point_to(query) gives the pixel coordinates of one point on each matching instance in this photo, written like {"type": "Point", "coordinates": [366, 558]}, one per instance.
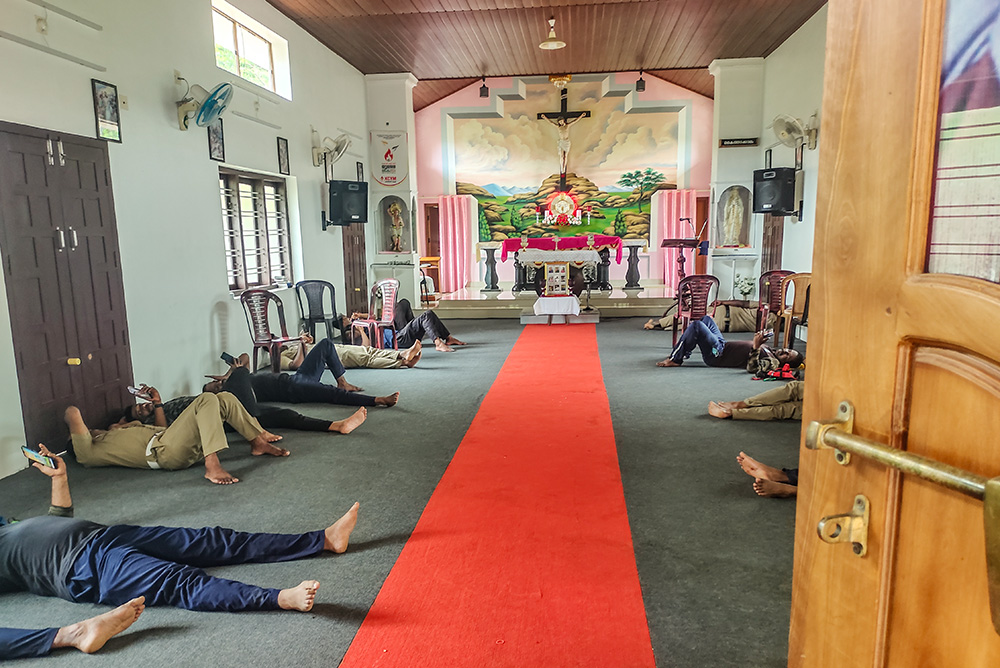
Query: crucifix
{"type": "Point", "coordinates": [562, 119]}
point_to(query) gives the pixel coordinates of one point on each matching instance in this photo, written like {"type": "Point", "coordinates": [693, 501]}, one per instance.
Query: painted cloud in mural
{"type": "Point", "coordinates": [520, 151]}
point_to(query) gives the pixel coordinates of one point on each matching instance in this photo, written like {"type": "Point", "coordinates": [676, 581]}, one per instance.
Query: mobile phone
{"type": "Point", "coordinates": [36, 456]}
{"type": "Point", "coordinates": [137, 392]}
{"type": "Point", "coordinates": [228, 359]}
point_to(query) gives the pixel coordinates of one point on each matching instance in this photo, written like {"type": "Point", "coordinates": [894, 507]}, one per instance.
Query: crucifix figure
{"type": "Point", "coordinates": [562, 119]}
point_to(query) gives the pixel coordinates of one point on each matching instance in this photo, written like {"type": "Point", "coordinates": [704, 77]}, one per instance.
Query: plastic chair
{"type": "Point", "coordinates": [256, 304]}
{"type": "Point", "coordinates": [384, 291]}
{"type": "Point", "coordinates": [769, 288]}
{"type": "Point", "coordinates": [793, 314]}
{"type": "Point", "coordinates": [310, 297]}
{"type": "Point", "coordinates": [692, 299]}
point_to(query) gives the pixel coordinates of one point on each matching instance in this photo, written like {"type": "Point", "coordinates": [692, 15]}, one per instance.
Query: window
{"type": "Point", "coordinates": [250, 50]}
{"type": "Point", "coordinates": [255, 230]}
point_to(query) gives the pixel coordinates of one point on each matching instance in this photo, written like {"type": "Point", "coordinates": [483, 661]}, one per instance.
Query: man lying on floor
{"type": "Point", "coordinates": [304, 385]}
{"type": "Point", "coordinates": [756, 357]}
{"type": "Point", "coordinates": [768, 480]}
{"type": "Point", "coordinates": [238, 383]}
{"type": "Point", "coordinates": [354, 357]}
{"type": "Point", "coordinates": [411, 329]}
{"type": "Point", "coordinates": [85, 562]}
{"type": "Point", "coordinates": [197, 434]}
{"type": "Point", "coordinates": [780, 403]}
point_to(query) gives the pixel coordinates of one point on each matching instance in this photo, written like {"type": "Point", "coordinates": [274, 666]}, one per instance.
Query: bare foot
{"type": "Point", "coordinates": [299, 598]}
{"type": "Point", "coordinates": [716, 409]}
{"type": "Point", "coordinates": [348, 425]}
{"type": "Point", "coordinates": [269, 437]}
{"type": "Point", "coordinates": [412, 354]}
{"type": "Point", "coordinates": [773, 489]}
{"type": "Point", "coordinates": [262, 446]}
{"type": "Point", "coordinates": [344, 385]}
{"type": "Point", "coordinates": [338, 534]}
{"type": "Point", "coordinates": [90, 635]}
{"type": "Point", "coordinates": [451, 340]}
{"type": "Point", "coordinates": [388, 401]}
{"type": "Point", "coordinates": [440, 344]}
{"type": "Point", "coordinates": [667, 362]}
{"type": "Point", "coordinates": [412, 363]}
{"type": "Point", "coordinates": [755, 469]}
{"type": "Point", "coordinates": [650, 324]}
{"type": "Point", "coordinates": [215, 473]}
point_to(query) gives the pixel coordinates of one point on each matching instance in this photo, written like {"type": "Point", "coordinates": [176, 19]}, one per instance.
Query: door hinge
{"type": "Point", "coordinates": [48, 152]}
{"type": "Point", "coordinates": [62, 154]}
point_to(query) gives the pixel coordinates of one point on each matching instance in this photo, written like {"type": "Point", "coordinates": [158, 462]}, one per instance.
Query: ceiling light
{"type": "Point", "coordinates": [560, 80]}
{"type": "Point", "coordinates": [640, 84]}
{"type": "Point", "coordinates": [484, 90]}
{"type": "Point", "coordinates": [552, 42]}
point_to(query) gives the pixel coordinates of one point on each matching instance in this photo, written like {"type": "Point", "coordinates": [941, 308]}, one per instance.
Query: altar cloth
{"type": "Point", "coordinates": [568, 305]}
{"type": "Point", "coordinates": [601, 241]}
{"type": "Point", "coordinates": [537, 256]}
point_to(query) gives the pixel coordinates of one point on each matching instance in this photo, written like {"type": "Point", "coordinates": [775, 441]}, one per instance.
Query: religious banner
{"type": "Point", "coordinates": [389, 157]}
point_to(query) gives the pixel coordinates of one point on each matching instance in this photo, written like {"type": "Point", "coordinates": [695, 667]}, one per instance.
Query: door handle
{"type": "Point", "coordinates": [73, 240]}
{"type": "Point", "coordinates": [73, 361]}
{"type": "Point", "coordinates": [837, 434]}
{"type": "Point", "coordinates": [60, 240]}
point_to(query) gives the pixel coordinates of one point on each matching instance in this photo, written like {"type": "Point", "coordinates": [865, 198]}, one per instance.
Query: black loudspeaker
{"type": "Point", "coordinates": [774, 191]}
{"type": "Point", "coordinates": [348, 202]}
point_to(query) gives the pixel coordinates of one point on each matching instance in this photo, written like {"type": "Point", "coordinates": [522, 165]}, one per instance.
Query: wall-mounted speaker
{"type": "Point", "coordinates": [774, 191]}
{"type": "Point", "coordinates": [348, 202]}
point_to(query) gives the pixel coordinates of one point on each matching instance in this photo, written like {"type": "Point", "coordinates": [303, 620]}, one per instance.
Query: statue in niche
{"type": "Point", "coordinates": [733, 220]}
{"type": "Point", "coordinates": [396, 223]}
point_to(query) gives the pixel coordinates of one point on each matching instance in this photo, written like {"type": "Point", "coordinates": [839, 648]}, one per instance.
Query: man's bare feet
{"type": "Point", "coordinates": [215, 473]}
{"type": "Point", "coordinates": [650, 324]}
{"type": "Point", "coordinates": [90, 635]}
{"type": "Point", "coordinates": [451, 340]}
{"type": "Point", "coordinates": [299, 598]}
{"type": "Point", "coordinates": [388, 401]}
{"type": "Point", "coordinates": [412, 355]}
{"type": "Point", "coordinates": [262, 445]}
{"type": "Point", "coordinates": [667, 363]}
{"type": "Point", "coordinates": [338, 534]}
{"type": "Point", "coordinates": [716, 409]}
{"type": "Point", "coordinates": [269, 437]}
{"type": "Point", "coordinates": [772, 489]}
{"type": "Point", "coordinates": [755, 469]}
{"type": "Point", "coordinates": [344, 385]}
{"type": "Point", "coordinates": [348, 425]}
{"type": "Point", "coordinates": [440, 344]}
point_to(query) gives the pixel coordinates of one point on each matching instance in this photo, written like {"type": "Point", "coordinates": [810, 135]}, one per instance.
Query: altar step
{"type": "Point", "coordinates": [471, 303]}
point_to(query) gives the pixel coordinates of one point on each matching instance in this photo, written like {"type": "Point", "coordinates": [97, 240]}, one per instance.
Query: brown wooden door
{"type": "Point", "coordinates": [774, 230]}
{"type": "Point", "coordinates": [916, 353]}
{"type": "Point", "coordinates": [355, 268]}
{"type": "Point", "coordinates": [61, 306]}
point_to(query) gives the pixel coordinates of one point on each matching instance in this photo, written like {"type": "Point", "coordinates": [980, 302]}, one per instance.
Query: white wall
{"type": "Point", "coordinates": [793, 84]}
{"type": "Point", "coordinates": [181, 314]}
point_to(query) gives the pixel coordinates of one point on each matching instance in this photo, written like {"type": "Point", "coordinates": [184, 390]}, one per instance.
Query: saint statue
{"type": "Point", "coordinates": [733, 223]}
{"type": "Point", "coordinates": [396, 214]}
{"type": "Point", "coordinates": [563, 126]}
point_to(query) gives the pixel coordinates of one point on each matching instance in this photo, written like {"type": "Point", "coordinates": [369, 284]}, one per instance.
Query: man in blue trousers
{"type": "Point", "coordinates": [129, 566]}
{"type": "Point", "coordinates": [704, 334]}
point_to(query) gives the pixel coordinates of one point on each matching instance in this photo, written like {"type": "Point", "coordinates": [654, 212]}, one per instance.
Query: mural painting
{"type": "Point", "coordinates": [613, 163]}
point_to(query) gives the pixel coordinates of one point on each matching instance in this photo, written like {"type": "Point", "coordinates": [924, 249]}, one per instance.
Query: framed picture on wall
{"type": "Point", "coordinates": [106, 110]}
{"type": "Point", "coordinates": [216, 141]}
{"type": "Point", "coordinates": [283, 156]}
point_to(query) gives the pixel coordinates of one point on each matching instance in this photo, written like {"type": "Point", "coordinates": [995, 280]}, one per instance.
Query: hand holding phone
{"type": "Point", "coordinates": [228, 359]}
{"type": "Point", "coordinates": [139, 393]}
{"type": "Point", "coordinates": [36, 456]}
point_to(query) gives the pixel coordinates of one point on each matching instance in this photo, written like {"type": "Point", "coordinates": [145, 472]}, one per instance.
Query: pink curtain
{"type": "Point", "coordinates": [668, 207]}
{"type": "Point", "coordinates": [457, 218]}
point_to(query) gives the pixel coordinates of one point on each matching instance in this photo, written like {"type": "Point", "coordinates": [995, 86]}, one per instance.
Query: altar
{"type": "Point", "coordinates": [591, 254]}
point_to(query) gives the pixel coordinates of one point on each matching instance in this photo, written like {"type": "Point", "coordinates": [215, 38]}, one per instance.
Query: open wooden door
{"type": "Point", "coordinates": [905, 324]}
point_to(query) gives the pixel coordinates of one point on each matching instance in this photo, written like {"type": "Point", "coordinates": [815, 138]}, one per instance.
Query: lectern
{"type": "Point", "coordinates": [680, 245]}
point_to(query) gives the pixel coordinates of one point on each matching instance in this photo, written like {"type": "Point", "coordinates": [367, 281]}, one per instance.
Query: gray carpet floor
{"type": "Point", "coordinates": [714, 560]}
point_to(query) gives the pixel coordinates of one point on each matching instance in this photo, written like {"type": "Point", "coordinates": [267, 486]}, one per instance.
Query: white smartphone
{"type": "Point", "coordinates": [36, 456]}
{"type": "Point", "coordinates": [139, 393]}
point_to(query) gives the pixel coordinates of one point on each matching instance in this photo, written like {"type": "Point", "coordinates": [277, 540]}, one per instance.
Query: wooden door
{"type": "Point", "coordinates": [774, 230]}
{"type": "Point", "coordinates": [917, 353]}
{"type": "Point", "coordinates": [355, 269]}
{"type": "Point", "coordinates": [61, 306]}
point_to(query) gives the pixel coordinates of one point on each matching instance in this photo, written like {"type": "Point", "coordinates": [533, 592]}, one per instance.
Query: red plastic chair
{"type": "Point", "coordinates": [385, 292]}
{"type": "Point", "coordinates": [769, 289]}
{"type": "Point", "coordinates": [256, 305]}
{"type": "Point", "coordinates": [692, 299]}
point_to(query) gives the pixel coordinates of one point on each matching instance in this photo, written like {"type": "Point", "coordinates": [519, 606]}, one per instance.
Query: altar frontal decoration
{"type": "Point", "coordinates": [595, 242]}
{"type": "Point", "coordinates": [561, 210]}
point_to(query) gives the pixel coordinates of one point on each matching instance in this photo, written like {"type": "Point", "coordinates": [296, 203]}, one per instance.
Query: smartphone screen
{"type": "Point", "coordinates": [38, 457]}
{"type": "Point", "coordinates": [227, 358]}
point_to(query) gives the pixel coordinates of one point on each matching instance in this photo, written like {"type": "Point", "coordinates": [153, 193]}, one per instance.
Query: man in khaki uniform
{"type": "Point", "coordinates": [197, 434]}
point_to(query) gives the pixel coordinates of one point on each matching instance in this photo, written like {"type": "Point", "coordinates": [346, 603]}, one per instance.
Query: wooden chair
{"type": "Point", "coordinates": [769, 288]}
{"type": "Point", "coordinates": [793, 314]}
{"type": "Point", "coordinates": [692, 300]}
{"type": "Point", "coordinates": [385, 292]}
{"type": "Point", "coordinates": [256, 304]}
{"type": "Point", "coordinates": [310, 297]}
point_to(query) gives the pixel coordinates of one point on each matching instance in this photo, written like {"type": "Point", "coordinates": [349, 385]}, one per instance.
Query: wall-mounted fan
{"type": "Point", "coordinates": [206, 105]}
{"type": "Point", "coordinates": [791, 132]}
{"type": "Point", "coordinates": [330, 150]}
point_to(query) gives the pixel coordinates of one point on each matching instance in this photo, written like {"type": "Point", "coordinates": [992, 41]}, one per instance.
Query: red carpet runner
{"type": "Point", "coordinates": [523, 556]}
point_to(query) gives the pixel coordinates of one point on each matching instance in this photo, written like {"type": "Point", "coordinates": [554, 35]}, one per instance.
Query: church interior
{"type": "Point", "coordinates": [539, 175]}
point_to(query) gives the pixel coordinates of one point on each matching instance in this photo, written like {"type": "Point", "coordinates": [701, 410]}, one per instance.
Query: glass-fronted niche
{"type": "Point", "coordinates": [395, 225]}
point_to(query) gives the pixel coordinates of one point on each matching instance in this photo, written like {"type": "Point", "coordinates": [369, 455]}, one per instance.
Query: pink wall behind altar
{"type": "Point", "coordinates": [431, 150]}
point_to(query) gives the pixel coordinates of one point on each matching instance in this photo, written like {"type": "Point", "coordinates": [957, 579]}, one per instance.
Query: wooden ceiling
{"type": "Point", "coordinates": [463, 40]}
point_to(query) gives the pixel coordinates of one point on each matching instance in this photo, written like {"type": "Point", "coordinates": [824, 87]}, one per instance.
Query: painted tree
{"type": "Point", "coordinates": [484, 226]}
{"type": "Point", "coordinates": [621, 229]}
{"type": "Point", "coordinates": [642, 180]}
